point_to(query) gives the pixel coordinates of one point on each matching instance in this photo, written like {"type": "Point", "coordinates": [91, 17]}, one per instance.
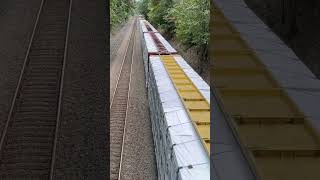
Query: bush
{"type": "Point", "coordinates": [188, 20]}
{"type": "Point", "coordinates": [143, 8]}
{"type": "Point", "coordinates": [120, 10]}
{"type": "Point", "coordinates": [158, 15]}
{"type": "Point", "coordinates": [191, 18]}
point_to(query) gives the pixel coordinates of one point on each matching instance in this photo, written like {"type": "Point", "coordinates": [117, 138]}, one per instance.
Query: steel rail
{"type": "Point", "coordinates": [60, 95]}
{"type": "Point", "coordinates": [123, 60]}
{"type": "Point", "coordinates": [128, 97]}
{"type": "Point", "coordinates": [26, 61]}
{"type": "Point", "coordinates": [22, 75]}
{"type": "Point", "coordinates": [125, 69]}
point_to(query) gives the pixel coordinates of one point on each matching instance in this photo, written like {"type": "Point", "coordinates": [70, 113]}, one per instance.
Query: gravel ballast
{"type": "Point", "coordinates": [17, 19]}
{"type": "Point", "coordinates": [139, 156]}
{"type": "Point", "coordinates": [82, 149]}
{"type": "Point", "coordinates": [118, 54]}
{"type": "Point", "coordinates": [116, 38]}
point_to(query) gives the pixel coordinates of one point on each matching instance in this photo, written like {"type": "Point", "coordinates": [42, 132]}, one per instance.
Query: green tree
{"type": "Point", "coordinates": [188, 20]}
{"type": "Point", "coordinates": [143, 8]}
{"type": "Point", "coordinates": [120, 10]}
{"type": "Point", "coordinates": [159, 15]}
{"type": "Point", "coordinates": [191, 18]}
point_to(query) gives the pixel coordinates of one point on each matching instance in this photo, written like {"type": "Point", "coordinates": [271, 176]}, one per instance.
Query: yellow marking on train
{"type": "Point", "coordinates": [197, 106]}
{"type": "Point", "coordinates": [281, 141]}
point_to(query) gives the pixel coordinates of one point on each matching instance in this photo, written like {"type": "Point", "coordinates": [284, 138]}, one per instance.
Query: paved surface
{"type": "Point", "coordinates": [82, 149]}
{"type": "Point", "coordinates": [17, 18]}
{"type": "Point", "coordinates": [139, 157]}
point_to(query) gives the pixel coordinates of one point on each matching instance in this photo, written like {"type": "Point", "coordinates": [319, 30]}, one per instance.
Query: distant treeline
{"type": "Point", "coordinates": [120, 10]}
{"type": "Point", "coordinates": [187, 20]}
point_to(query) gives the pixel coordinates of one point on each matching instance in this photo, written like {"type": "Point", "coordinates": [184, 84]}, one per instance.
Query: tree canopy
{"type": "Point", "coordinates": [120, 10]}
{"type": "Point", "coordinates": [187, 20]}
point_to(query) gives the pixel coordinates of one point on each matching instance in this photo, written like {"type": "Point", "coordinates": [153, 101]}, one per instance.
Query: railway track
{"type": "Point", "coordinates": [276, 136]}
{"type": "Point", "coordinates": [117, 40]}
{"type": "Point", "coordinates": [119, 107]}
{"type": "Point", "coordinates": [28, 141]}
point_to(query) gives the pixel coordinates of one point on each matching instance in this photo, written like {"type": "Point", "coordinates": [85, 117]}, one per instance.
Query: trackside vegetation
{"type": "Point", "coordinates": [187, 20]}
{"type": "Point", "coordinates": [120, 11]}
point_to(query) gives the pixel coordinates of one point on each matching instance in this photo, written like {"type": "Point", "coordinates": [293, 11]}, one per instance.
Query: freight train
{"type": "Point", "coordinates": [179, 101]}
